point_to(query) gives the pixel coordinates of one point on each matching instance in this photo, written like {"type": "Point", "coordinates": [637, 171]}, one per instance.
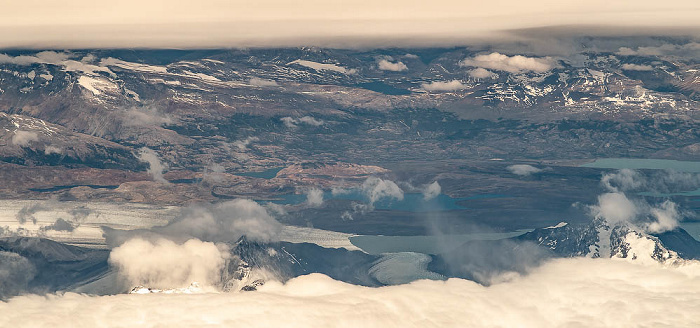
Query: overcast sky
{"type": "Point", "coordinates": [237, 23]}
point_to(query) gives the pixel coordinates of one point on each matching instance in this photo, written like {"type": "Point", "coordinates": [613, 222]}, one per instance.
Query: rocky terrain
{"type": "Point", "coordinates": [178, 127]}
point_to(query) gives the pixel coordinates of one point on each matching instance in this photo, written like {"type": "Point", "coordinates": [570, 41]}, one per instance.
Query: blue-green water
{"type": "Point", "coordinates": [438, 244]}
{"type": "Point", "coordinates": [693, 193]}
{"type": "Point", "coordinates": [384, 88]}
{"type": "Point", "coordinates": [693, 228]}
{"type": "Point", "coordinates": [424, 244]}
{"type": "Point", "coordinates": [651, 164]}
{"type": "Point", "coordinates": [412, 202]}
{"type": "Point", "coordinates": [644, 163]}
{"type": "Point", "coordinates": [267, 174]}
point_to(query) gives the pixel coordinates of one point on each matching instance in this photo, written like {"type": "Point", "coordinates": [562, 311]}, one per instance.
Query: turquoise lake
{"type": "Point", "coordinates": [412, 202]}
{"type": "Point", "coordinates": [424, 244]}
{"type": "Point", "coordinates": [644, 163]}
{"type": "Point", "coordinates": [693, 228]}
{"type": "Point", "coordinates": [651, 164]}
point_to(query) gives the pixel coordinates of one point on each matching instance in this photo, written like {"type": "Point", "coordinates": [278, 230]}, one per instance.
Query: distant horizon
{"type": "Point", "coordinates": [212, 24]}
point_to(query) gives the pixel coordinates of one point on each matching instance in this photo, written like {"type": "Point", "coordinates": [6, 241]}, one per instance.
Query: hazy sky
{"type": "Point", "coordinates": [232, 23]}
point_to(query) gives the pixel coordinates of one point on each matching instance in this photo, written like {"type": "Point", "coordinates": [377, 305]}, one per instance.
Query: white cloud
{"type": "Point", "coordinates": [386, 65]}
{"type": "Point", "coordinates": [431, 191]}
{"type": "Point", "coordinates": [376, 188]}
{"type": "Point", "coordinates": [511, 64]}
{"type": "Point", "coordinates": [635, 67]}
{"type": "Point", "coordinates": [155, 166]}
{"type": "Point", "coordinates": [523, 169]}
{"type": "Point", "coordinates": [561, 293]}
{"type": "Point", "coordinates": [165, 264]}
{"type": "Point", "coordinates": [291, 122]}
{"type": "Point", "coordinates": [24, 138]}
{"type": "Point", "coordinates": [443, 86]}
{"type": "Point", "coordinates": [314, 197]}
{"type": "Point", "coordinates": [258, 82]}
{"type": "Point", "coordinates": [481, 73]}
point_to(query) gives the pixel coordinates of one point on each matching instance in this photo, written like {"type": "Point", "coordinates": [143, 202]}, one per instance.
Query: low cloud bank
{"type": "Point", "coordinates": [691, 49]}
{"type": "Point", "coordinates": [564, 292]}
{"type": "Point", "coordinates": [61, 59]}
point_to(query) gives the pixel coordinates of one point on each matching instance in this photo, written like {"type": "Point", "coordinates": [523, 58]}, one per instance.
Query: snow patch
{"type": "Point", "coordinates": [143, 68]}
{"type": "Point", "coordinates": [96, 85]}
{"type": "Point", "coordinates": [323, 67]}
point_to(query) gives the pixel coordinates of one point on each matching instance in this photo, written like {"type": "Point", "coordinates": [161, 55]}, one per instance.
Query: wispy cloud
{"type": "Point", "coordinates": [155, 166]}
{"type": "Point", "coordinates": [314, 197]}
{"type": "Point", "coordinates": [292, 122]}
{"type": "Point", "coordinates": [24, 138]}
